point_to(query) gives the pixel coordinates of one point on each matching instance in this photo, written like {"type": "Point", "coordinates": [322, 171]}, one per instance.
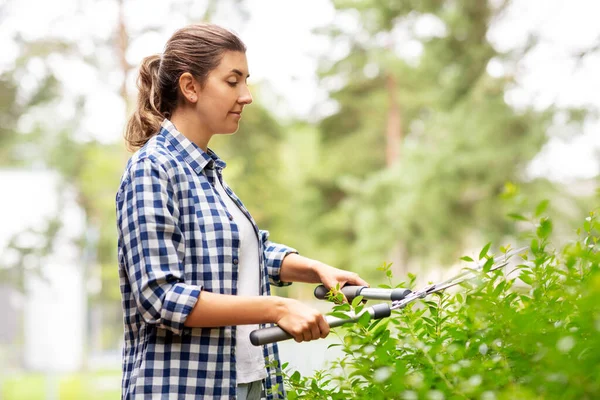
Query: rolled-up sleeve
{"type": "Point", "coordinates": [154, 248]}
{"type": "Point", "coordinates": [274, 254]}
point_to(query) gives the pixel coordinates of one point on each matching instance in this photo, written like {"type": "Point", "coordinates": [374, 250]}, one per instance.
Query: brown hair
{"type": "Point", "coordinates": [197, 49]}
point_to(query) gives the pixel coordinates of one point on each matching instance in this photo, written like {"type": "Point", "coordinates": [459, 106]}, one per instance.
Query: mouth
{"type": "Point", "coordinates": [237, 115]}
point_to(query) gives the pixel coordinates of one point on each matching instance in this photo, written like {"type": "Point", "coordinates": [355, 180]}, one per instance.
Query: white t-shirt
{"type": "Point", "coordinates": [250, 362]}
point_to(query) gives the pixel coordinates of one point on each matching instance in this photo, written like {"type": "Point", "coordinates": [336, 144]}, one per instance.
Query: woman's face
{"type": "Point", "coordinates": [224, 95]}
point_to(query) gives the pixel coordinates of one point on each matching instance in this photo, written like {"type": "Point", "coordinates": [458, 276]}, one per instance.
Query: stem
{"type": "Point", "coordinates": [437, 370]}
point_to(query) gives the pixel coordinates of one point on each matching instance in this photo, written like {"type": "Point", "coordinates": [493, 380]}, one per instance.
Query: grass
{"type": "Point", "coordinates": [97, 385]}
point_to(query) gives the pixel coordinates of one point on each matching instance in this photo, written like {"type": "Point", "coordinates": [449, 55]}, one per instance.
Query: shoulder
{"type": "Point", "coordinates": [154, 161]}
{"type": "Point", "coordinates": [155, 156]}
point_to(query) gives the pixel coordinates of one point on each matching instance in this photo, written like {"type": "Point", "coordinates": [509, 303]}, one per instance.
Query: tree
{"type": "Point", "coordinates": [460, 141]}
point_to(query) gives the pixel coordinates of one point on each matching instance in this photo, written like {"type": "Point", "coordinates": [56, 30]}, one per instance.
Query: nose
{"type": "Point", "coordinates": [245, 95]}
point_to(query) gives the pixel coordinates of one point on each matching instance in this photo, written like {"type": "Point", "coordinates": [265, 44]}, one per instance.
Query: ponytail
{"type": "Point", "coordinates": [146, 119]}
{"type": "Point", "coordinates": [196, 49]}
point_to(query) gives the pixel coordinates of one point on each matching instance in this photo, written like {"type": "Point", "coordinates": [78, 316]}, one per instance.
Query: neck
{"type": "Point", "coordinates": [188, 123]}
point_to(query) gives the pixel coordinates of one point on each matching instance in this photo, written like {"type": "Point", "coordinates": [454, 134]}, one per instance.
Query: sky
{"type": "Point", "coordinates": [283, 54]}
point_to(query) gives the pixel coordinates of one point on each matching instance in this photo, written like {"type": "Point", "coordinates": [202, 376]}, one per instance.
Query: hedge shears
{"type": "Point", "coordinates": [399, 298]}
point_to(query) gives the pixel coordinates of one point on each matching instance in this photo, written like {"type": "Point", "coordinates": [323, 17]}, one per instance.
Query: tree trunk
{"type": "Point", "coordinates": [122, 43]}
{"type": "Point", "coordinates": [394, 122]}
{"type": "Point", "coordinates": [394, 136]}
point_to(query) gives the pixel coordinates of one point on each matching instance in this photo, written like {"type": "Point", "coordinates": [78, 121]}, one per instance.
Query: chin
{"type": "Point", "coordinates": [230, 130]}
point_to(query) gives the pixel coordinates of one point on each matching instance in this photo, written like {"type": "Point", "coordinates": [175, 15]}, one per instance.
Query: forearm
{"type": "Point", "coordinates": [296, 268]}
{"type": "Point", "coordinates": [215, 310]}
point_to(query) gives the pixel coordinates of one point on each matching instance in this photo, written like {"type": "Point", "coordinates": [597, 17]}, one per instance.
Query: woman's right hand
{"type": "Point", "coordinates": [302, 322]}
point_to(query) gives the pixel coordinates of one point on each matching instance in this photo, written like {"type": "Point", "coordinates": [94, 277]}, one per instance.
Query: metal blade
{"type": "Point", "coordinates": [455, 280]}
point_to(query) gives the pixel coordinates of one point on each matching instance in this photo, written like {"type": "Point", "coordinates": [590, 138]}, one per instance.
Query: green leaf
{"type": "Point", "coordinates": [357, 300]}
{"type": "Point", "coordinates": [467, 258]}
{"type": "Point", "coordinates": [340, 315]}
{"type": "Point", "coordinates": [541, 207]}
{"type": "Point", "coordinates": [314, 385]}
{"type": "Point", "coordinates": [499, 288]}
{"type": "Point", "coordinates": [528, 279]}
{"type": "Point", "coordinates": [517, 217]}
{"type": "Point", "coordinates": [545, 228]}
{"type": "Point", "coordinates": [364, 319]}
{"type": "Point", "coordinates": [488, 265]}
{"type": "Point", "coordinates": [535, 245]}
{"type": "Point", "coordinates": [295, 376]}
{"type": "Point", "coordinates": [484, 251]}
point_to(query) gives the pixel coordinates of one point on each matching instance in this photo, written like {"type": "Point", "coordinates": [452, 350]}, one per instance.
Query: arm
{"type": "Point", "coordinates": [285, 266]}
{"type": "Point", "coordinates": [154, 252]}
{"type": "Point", "coordinates": [153, 247]}
{"type": "Point", "coordinates": [302, 322]}
{"type": "Point", "coordinates": [296, 268]}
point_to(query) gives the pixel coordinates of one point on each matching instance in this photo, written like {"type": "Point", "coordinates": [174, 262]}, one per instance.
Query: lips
{"type": "Point", "coordinates": [237, 115]}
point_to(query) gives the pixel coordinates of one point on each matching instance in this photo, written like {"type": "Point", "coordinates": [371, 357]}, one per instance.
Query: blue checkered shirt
{"type": "Point", "coordinates": [176, 238]}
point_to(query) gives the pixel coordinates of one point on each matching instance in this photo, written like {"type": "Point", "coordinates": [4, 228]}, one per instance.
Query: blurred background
{"type": "Point", "coordinates": [403, 132]}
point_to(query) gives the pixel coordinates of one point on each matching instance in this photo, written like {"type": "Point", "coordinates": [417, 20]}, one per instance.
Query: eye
{"type": "Point", "coordinates": [232, 84]}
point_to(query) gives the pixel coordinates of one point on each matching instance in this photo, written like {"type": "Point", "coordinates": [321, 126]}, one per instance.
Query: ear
{"type": "Point", "coordinates": [189, 87]}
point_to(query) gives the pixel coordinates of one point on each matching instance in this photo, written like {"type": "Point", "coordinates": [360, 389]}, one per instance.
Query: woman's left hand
{"type": "Point", "coordinates": [331, 276]}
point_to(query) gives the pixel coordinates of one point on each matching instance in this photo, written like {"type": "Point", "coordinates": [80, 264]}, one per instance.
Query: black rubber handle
{"type": "Point", "coordinates": [276, 334]}
{"type": "Point", "coordinates": [382, 310]}
{"type": "Point", "coordinates": [268, 335]}
{"type": "Point", "coordinates": [399, 294]}
{"type": "Point", "coordinates": [349, 291]}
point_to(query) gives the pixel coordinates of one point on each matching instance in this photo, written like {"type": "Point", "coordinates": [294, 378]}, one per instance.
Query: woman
{"type": "Point", "coordinates": [194, 268]}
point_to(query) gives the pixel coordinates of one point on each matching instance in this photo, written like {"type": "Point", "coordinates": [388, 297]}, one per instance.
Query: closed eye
{"type": "Point", "coordinates": [232, 84]}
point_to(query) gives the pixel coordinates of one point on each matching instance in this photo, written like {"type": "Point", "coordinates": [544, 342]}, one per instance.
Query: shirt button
{"type": "Point", "coordinates": [235, 261]}
{"type": "Point", "coordinates": [231, 217]}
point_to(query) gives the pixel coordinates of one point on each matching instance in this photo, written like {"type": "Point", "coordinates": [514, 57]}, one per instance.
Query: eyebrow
{"type": "Point", "coordinates": [238, 72]}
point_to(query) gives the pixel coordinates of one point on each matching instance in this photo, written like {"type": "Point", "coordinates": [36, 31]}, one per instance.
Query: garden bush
{"type": "Point", "coordinates": [529, 332]}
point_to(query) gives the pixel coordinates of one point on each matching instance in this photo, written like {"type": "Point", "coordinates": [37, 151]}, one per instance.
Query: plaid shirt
{"type": "Point", "coordinates": [176, 238]}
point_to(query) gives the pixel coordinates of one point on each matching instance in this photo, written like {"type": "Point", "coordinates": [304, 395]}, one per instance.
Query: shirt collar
{"type": "Point", "coordinates": [197, 158]}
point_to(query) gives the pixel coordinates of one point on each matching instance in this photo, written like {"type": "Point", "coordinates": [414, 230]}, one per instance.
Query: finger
{"type": "Point", "coordinates": [357, 280]}
{"type": "Point", "coordinates": [315, 331]}
{"type": "Point", "coordinates": [323, 327]}
{"type": "Point", "coordinates": [307, 334]}
{"type": "Point", "coordinates": [298, 337]}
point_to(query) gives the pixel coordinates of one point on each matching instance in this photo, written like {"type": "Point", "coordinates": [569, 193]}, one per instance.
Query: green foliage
{"type": "Point", "coordinates": [530, 333]}
{"type": "Point", "coordinates": [97, 385]}
{"type": "Point", "coordinates": [462, 142]}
